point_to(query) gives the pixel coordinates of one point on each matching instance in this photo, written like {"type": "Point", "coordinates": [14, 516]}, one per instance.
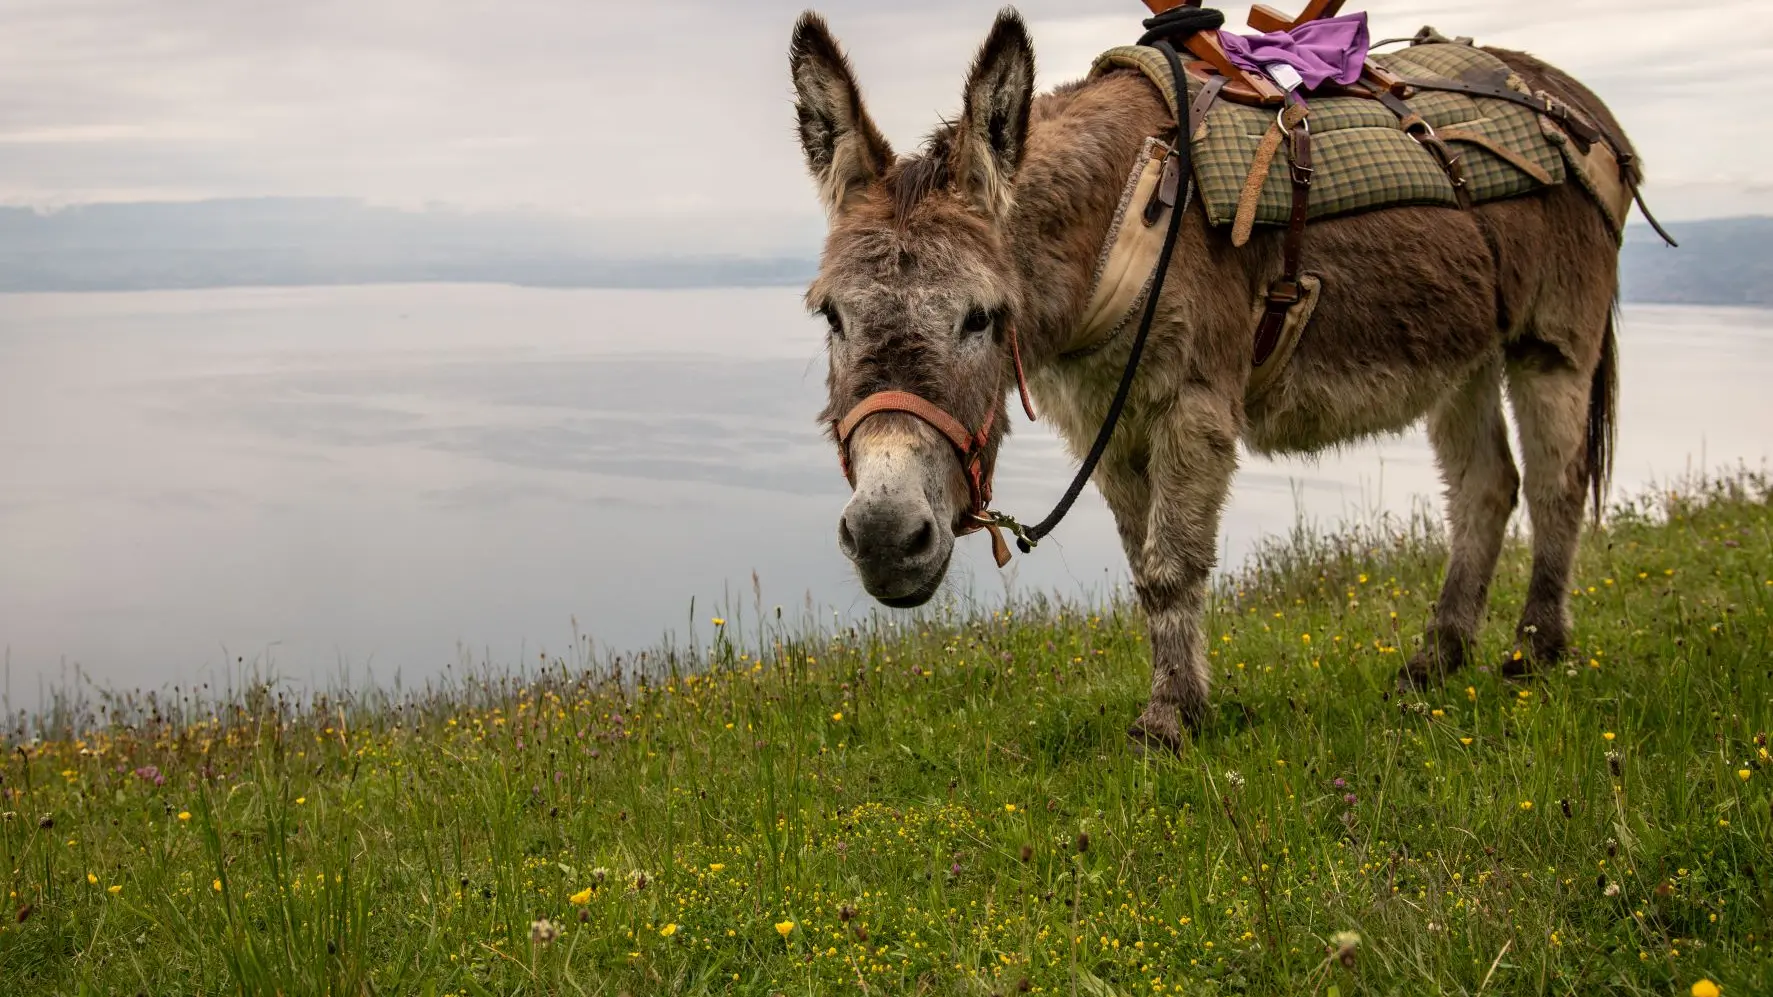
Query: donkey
{"type": "Point", "coordinates": [939, 265]}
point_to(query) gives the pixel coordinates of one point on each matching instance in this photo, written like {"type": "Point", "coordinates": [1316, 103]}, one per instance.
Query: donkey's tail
{"type": "Point", "coordinates": [1603, 416]}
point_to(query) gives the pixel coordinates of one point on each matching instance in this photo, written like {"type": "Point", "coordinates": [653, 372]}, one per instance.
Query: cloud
{"type": "Point", "coordinates": [683, 108]}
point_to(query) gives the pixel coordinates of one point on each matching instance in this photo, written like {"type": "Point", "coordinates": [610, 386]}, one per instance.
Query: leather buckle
{"type": "Point", "coordinates": [1284, 292]}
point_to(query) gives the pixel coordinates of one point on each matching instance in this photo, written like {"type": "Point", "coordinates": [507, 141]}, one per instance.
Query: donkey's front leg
{"type": "Point", "coordinates": [1192, 455]}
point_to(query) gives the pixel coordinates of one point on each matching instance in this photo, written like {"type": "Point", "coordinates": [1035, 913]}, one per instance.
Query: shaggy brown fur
{"type": "Point", "coordinates": [1427, 313]}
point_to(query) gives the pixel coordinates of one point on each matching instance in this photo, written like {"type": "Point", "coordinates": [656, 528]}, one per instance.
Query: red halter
{"type": "Point", "coordinates": [969, 447]}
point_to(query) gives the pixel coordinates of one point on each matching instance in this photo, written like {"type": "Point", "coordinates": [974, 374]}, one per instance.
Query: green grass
{"type": "Point", "coordinates": [948, 805]}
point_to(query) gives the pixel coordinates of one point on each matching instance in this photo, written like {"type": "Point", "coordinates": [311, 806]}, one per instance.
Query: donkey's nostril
{"type": "Point", "coordinates": [922, 539]}
{"type": "Point", "coordinates": [845, 539]}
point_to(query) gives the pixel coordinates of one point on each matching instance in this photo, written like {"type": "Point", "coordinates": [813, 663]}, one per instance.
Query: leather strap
{"type": "Point", "coordinates": [1284, 293]}
{"type": "Point", "coordinates": [1450, 164]}
{"type": "Point", "coordinates": [1204, 101]}
{"type": "Point", "coordinates": [1638, 196]}
{"type": "Point", "coordinates": [1502, 152]}
{"type": "Point", "coordinates": [1244, 222]}
{"type": "Point", "coordinates": [1418, 128]}
{"type": "Point", "coordinates": [1021, 378]}
{"type": "Point", "coordinates": [904, 401]}
{"type": "Point", "coordinates": [1407, 118]}
{"type": "Point", "coordinates": [1580, 129]}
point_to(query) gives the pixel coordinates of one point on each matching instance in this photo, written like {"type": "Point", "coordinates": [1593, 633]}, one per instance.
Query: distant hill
{"type": "Point", "coordinates": [1724, 261]}
{"type": "Point", "coordinates": [295, 241]}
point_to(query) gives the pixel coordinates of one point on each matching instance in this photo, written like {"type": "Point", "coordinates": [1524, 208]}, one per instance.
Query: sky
{"type": "Point", "coordinates": [678, 116]}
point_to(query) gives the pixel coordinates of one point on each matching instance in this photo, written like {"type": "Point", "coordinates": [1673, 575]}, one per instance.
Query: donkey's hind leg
{"type": "Point", "coordinates": [1550, 397]}
{"type": "Point", "coordinates": [1470, 439]}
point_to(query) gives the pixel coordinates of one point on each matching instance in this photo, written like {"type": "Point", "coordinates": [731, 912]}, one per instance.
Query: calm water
{"type": "Point", "coordinates": [383, 479]}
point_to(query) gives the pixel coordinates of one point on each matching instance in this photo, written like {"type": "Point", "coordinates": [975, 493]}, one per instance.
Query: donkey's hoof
{"type": "Point", "coordinates": [1420, 672]}
{"type": "Point", "coordinates": [1154, 743]}
{"type": "Point", "coordinates": [1443, 652]}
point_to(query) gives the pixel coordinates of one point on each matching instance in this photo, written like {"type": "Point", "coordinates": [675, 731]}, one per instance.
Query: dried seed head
{"type": "Point", "coordinates": [1083, 842]}
{"type": "Point", "coordinates": [1027, 852]}
{"type": "Point", "coordinates": [1343, 946]}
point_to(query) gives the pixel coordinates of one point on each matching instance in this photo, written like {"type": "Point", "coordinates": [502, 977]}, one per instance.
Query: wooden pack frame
{"type": "Point", "coordinates": [1254, 88]}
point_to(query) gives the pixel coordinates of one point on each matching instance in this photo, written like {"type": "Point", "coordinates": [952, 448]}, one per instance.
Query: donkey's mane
{"type": "Point", "coordinates": [917, 176]}
{"type": "Point", "coordinates": [930, 169]}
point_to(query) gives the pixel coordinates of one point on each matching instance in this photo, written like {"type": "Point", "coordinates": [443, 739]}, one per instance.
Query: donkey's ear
{"type": "Point", "coordinates": [994, 121]}
{"type": "Point", "coordinates": [843, 148]}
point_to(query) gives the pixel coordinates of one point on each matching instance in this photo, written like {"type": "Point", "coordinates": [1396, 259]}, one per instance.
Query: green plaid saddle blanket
{"type": "Point", "coordinates": [1362, 158]}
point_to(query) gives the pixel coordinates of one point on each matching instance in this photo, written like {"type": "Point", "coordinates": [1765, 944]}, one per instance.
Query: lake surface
{"type": "Point", "coordinates": [378, 480]}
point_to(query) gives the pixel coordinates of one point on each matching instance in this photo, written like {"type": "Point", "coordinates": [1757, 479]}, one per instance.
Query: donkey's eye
{"type": "Point", "coordinates": [833, 320]}
{"type": "Point", "coordinates": [977, 321]}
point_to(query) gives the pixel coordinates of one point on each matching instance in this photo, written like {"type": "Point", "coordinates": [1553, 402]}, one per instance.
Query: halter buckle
{"type": "Point", "coordinates": [1025, 542]}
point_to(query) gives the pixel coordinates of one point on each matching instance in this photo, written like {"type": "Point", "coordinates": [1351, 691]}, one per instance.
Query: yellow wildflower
{"type": "Point", "coordinates": [184, 815]}
{"type": "Point", "coordinates": [1743, 774]}
{"type": "Point", "coordinates": [90, 878]}
{"type": "Point", "coordinates": [837, 717]}
{"type": "Point", "coordinates": [1608, 735]}
{"type": "Point", "coordinates": [784, 927]}
{"type": "Point", "coordinates": [1526, 804]}
{"type": "Point", "coordinates": [1706, 988]}
{"type": "Point", "coordinates": [1009, 808]}
{"type": "Point", "coordinates": [1465, 741]}
{"type": "Point", "coordinates": [216, 885]}
{"type": "Point", "coordinates": [716, 866]}
{"type": "Point", "coordinates": [582, 897]}
{"type": "Point", "coordinates": [668, 930]}
{"type": "Point", "coordinates": [720, 621]}
{"type": "Point", "coordinates": [114, 890]}
{"type": "Point", "coordinates": [1471, 693]}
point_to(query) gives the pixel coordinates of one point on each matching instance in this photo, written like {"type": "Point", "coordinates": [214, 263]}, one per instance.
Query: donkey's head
{"type": "Point", "coordinates": [919, 288]}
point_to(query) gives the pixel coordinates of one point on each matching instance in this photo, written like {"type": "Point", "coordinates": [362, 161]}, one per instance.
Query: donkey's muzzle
{"type": "Point", "coordinates": [899, 547]}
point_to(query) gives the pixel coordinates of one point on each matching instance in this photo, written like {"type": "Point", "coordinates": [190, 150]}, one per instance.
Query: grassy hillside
{"type": "Point", "coordinates": [947, 805]}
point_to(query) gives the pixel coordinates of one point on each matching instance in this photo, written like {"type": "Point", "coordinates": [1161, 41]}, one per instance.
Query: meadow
{"type": "Point", "coordinates": [947, 803]}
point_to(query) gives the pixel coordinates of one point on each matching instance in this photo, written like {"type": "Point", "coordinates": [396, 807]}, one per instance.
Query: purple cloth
{"type": "Point", "coordinates": [1330, 48]}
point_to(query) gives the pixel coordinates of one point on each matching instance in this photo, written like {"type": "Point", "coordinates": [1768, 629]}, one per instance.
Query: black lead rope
{"type": "Point", "coordinates": [1182, 160]}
